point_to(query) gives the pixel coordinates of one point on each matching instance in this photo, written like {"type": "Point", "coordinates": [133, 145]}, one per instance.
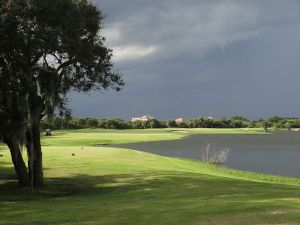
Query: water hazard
{"type": "Point", "coordinates": [277, 153]}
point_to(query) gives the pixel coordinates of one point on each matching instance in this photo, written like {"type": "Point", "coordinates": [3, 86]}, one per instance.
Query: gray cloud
{"type": "Point", "coordinates": [169, 28]}
{"type": "Point", "coordinates": [194, 58]}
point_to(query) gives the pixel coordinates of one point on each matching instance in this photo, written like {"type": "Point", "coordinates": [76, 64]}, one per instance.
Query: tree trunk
{"type": "Point", "coordinates": [33, 142]}
{"type": "Point", "coordinates": [35, 157]}
{"type": "Point", "coordinates": [18, 161]}
{"type": "Point", "coordinates": [38, 176]}
{"type": "Point", "coordinates": [30, 154]}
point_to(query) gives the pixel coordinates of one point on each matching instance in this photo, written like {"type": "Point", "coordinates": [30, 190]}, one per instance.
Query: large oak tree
{"type": "Point", "coordinates": [47, 49]}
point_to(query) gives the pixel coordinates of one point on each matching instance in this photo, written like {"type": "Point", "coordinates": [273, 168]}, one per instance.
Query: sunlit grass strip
{"type": "Point", "coordinates": [94, 137]}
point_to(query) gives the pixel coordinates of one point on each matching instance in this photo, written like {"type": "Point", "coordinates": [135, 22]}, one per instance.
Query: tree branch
{"type": "Point", "coordinates": [55, 56]}
{"type": "Point", "coordinates": [37, 58]}
{"type": "Point", "coordinates": [65, 64]}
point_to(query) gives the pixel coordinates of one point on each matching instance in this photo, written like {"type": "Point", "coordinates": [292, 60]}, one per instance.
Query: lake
{"type": "Point", "coordinates": [277, 153]}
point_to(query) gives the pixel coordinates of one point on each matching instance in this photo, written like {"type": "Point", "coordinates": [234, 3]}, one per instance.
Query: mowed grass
{"type": "Point", "coordinates": [106, 185]}
{"type": "Point", "coordinates": [96, 137]}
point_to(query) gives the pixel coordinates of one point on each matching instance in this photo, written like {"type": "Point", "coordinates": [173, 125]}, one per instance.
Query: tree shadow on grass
{"type": "Point", "coordinates": [7, 172]}
{"type": "Point", "coordinates": [171, 184]}
{"type": "Point", "coordinates": [159, 192]}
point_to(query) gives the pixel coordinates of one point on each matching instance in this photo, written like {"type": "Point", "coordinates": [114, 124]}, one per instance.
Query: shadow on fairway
{"type": "Point", "coordinates": [160, 184]}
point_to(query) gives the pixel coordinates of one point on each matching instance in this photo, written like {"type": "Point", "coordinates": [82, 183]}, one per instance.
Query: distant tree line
{"type": "Point", "coordinates": [67, 122]}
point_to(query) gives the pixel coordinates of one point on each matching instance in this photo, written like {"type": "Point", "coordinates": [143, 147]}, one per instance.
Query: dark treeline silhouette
{"type": "Point", "coordinates": [275, 122]}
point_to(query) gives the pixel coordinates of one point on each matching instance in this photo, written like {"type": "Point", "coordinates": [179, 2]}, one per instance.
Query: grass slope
{"type": "Point", "coordinates": [104, 185]}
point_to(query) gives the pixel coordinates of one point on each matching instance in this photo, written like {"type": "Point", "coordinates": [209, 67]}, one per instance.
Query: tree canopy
{"type": "Point", "coordinates": [47, 49]}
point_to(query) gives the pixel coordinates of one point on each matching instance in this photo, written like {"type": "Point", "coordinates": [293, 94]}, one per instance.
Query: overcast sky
{"type": "Point", "coordinates": [195, 58]}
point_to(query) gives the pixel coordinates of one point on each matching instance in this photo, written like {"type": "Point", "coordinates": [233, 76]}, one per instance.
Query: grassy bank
{"type": "Point", "coordinates": [104, 185]}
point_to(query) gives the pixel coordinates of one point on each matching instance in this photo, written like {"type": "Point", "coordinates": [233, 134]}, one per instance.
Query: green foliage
{"type": "Point", "coordinates": [239, 118]}
{"type": "Point", "coordinates": [51, 47]}
{"type": "Point", "coordinates": [138, 124]}
{"type": "Point", "coordinates": [275, 119]}
{"type": "Point", "coordinates": [93, 123]}
{"type": "Point", "coordinates": [265, 124]}
{"type": "Point", "coordinates": [152, 123]}
{"type": "Point", "coordinates": [116, 123]}
{"type": "Point", "coordinates": [171, 124]}
{"type": "Point", "coordinates": [221, 123]}
{"type": "Point", "coordinates": [239, 124]}
{"type": "Point", "coordinates": [288, 125]}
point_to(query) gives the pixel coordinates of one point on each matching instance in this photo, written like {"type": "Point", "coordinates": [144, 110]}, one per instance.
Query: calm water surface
{"type": "Point", "coordinates": [277, 153]}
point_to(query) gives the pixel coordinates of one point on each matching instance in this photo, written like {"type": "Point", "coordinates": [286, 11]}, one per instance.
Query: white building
{"type": "Point", "coordinates": [136, 119]}
{"type": "Point", "coordinates": [142, 118]}
{"type": "Point", "coordinates": [179, 120]}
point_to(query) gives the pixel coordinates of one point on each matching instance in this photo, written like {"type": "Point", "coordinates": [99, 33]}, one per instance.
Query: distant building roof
{"type": "Point", "coordinates": [142, 118]}
{"type": "Point", "coordinates": [179, 120]}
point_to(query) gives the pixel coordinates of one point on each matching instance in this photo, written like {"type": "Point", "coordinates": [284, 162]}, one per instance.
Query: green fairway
{"type": "Point", "coordinates": [105, 185]}
{"type": "Point", "coordinates": [94, 137]}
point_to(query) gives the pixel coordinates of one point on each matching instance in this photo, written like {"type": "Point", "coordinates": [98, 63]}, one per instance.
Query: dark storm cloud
{"type": "Point", "coordinates": [194, 58]}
